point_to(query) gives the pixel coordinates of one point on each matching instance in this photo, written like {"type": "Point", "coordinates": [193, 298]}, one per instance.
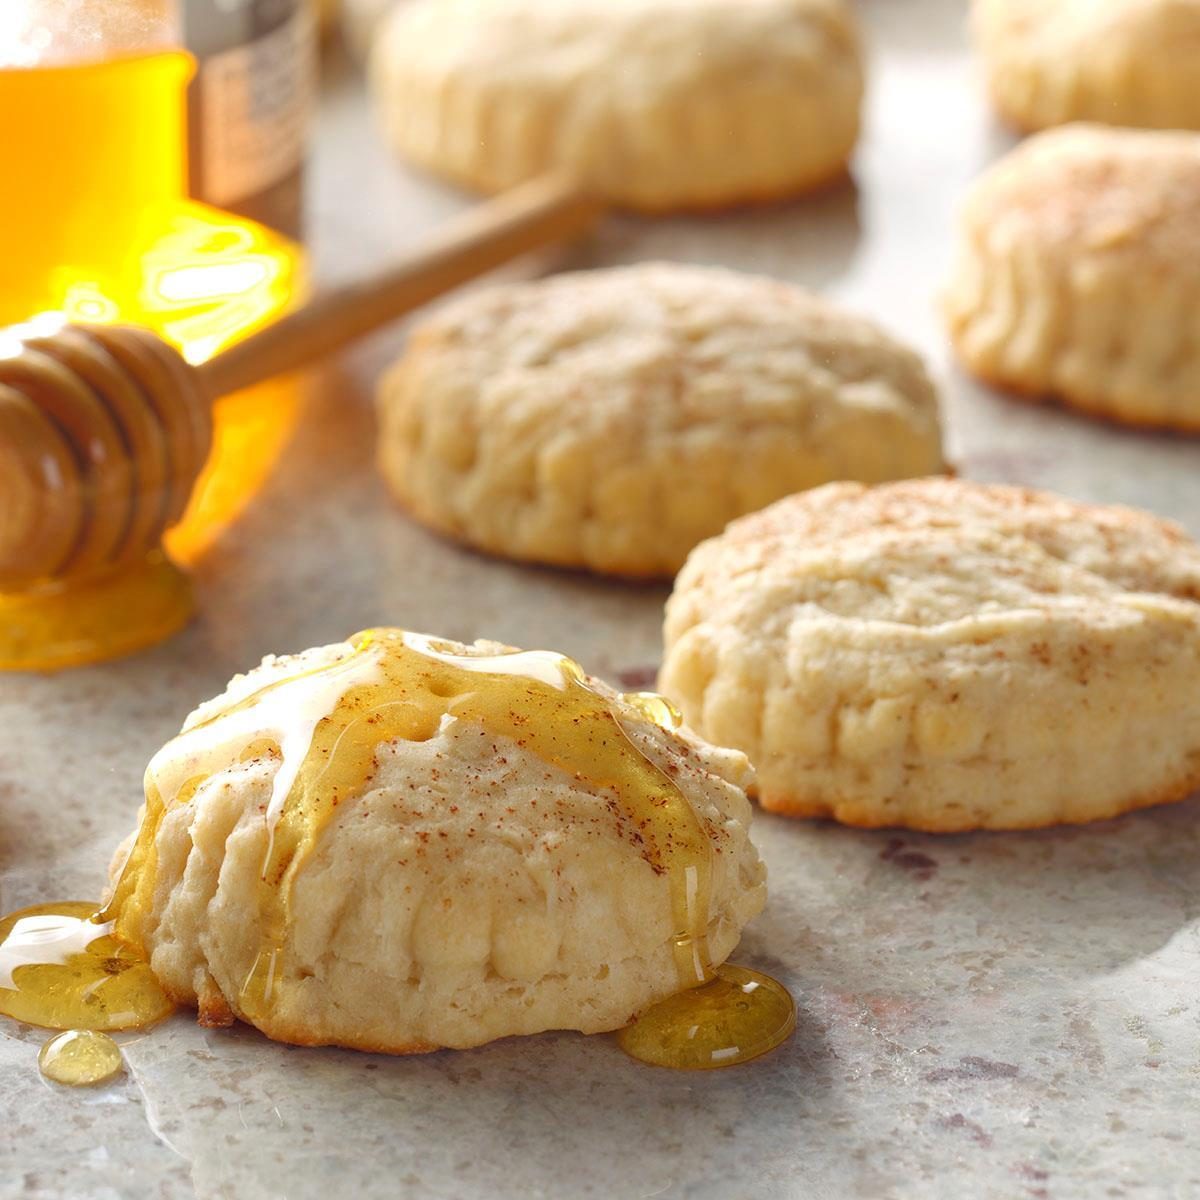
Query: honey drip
{"type": "Point", "coordinates": [737, 1015]}
{"type": "Point", "coordinates": [80, 1058]}
{"type": "Point", "coordinates": [325, 726]}
{"type": "Point", "coordinates": [61, 967]}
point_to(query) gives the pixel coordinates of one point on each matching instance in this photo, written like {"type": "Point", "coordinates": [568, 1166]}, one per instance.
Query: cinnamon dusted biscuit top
{"type": "Point", "coordinates": [945, 655]}
{"type": "Point", "coordinates": [1074, 273]}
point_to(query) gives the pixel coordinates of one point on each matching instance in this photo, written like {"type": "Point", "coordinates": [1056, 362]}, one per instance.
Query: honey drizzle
{"type": "Point", "coordinates": [400, 686]}
{"type": "Point", "coordinates": [62, 967]}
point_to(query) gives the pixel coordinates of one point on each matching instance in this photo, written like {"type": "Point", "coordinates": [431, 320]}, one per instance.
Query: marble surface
{"type": "Point", "coordinates": [982, 1016]}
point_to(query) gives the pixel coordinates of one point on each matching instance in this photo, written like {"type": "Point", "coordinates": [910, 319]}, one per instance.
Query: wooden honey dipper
{"type": "Point", "coordinates": [104, 429]}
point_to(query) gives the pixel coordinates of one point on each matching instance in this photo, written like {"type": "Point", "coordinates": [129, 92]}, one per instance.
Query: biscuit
{"type": "Point", "coordinates": [473, 882]}
{"type": "Point", "coordinates": [1123, 62]}
{"type": "Point", "coordinates": [655, 104]}
{"type": "Point", "coordinates": [943, 655]}
{"type": "Point", "coordinates": [612, 419]}
{"type": "Point", "coordinates": [359, 21]}
{"type": "Point", "coordinates": [1075, 274]}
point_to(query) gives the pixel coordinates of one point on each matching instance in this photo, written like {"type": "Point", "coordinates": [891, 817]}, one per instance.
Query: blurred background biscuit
{"type": "Point", "coordinates": [655, 104]}
{"type": "Point", "coordinates": [1075, 275]}
{"type": "Point", "coordinates": [1124, 62]}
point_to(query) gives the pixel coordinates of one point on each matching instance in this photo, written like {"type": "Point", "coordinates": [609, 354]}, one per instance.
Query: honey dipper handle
{"type": "Point", "coordinates": [549, 209]}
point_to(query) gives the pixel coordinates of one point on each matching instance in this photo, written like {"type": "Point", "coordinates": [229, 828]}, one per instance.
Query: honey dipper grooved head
{"type": "Point", "coordinates": [103, 431]}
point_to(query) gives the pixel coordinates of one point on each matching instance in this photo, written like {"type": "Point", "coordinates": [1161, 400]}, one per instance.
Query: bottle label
{"type": "Point", "coordinates": [250, 107]}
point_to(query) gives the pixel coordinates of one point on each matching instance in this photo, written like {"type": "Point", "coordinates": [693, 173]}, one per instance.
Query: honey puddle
{"type": "Point", "coordinates": [325, 725]}
{"type": "Point", "coordinates": [62, 968]}
{"type": "Point", "coordinates": [737, 1015]}
{"type": "Point", "coordinates": [80, 1058]}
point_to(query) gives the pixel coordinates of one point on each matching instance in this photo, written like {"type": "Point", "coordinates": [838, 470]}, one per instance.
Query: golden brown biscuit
{"type": "Point", "coordinates": [945, 655]}
{"type": "Point", "coordinates": [612, 419]}
{"type": "Point", "coordinates": [1123, 62]}
{"type": "Point", "coordinates": [1075, 274]}
{"type": "Point", "coordinates": [657, 104]}
{"type": "Point", "coordinates": [401, 843]}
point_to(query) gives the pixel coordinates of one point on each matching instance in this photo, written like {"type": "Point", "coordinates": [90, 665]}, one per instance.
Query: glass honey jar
{"type": "Point", "coordinates": [153, 156]}
{"type": "Point", "coordinates": [154, 151]}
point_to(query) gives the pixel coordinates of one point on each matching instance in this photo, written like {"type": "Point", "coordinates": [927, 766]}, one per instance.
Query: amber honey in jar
{"type": "Point", "coordinates": [153, 152]}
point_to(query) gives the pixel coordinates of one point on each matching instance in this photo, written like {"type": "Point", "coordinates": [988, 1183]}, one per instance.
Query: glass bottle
{"type": "Point", "coordinates": [153, 151]}
{"type": "Point", "coordinates": [151, 161]}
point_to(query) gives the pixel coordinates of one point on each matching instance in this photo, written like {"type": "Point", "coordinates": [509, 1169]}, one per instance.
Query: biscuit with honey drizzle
{"type": "Point", "coordinates": [399, 843]}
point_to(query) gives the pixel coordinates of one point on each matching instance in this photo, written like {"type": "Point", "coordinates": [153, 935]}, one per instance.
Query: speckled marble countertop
{"type": "Point", "coordinates": [980, 1016]}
